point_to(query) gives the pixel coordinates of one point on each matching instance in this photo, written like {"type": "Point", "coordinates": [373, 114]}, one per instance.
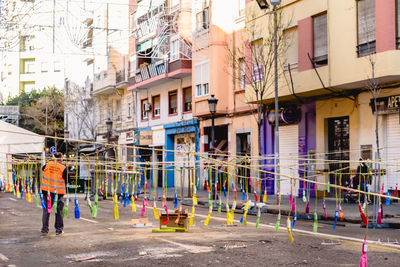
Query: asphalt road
{"type": "Point", "coordinates": [115, 242]}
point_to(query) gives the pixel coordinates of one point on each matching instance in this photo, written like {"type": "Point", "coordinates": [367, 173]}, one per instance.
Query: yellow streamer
{"type": "Point", "coordinates": [288, 226]}
{"type": "Point", "coordinates": [191, 217]}
{"type": "Point", "coordinates": [246, 208]}
{"type": "Point", "coordinates": [208, 216]}
{"type": "Point", "coordinates": [156, 216]}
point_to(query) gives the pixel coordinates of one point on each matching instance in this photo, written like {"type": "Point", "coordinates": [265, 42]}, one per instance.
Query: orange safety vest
{"type": "Point", "coordinates": [52, 178]}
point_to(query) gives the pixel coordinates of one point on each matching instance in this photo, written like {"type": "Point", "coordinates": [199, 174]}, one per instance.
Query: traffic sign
{"type": "Point", "coordinates": [53, 150]}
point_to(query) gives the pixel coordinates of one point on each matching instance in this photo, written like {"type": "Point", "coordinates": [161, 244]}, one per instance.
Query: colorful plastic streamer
{"type": "Point", "coordinates": [364, 259]}
{"type": "Point", "coordinates": [77, 213]}
{"type": "Point", "coordinates": [278, 222]}
{"type": "Point", "coordinates": [210, 208]}
{"type": "Point", "coordinates": [336, 217]}
{"type": "Point", "coordinates": [289, 230]}
{"type": "Point", "coordinates": [65, 209]}
{"type": "Point", "coordinates": [315, 227]}
{"type": "Point", "coordinates": [115, 208]}
{"type": "Point", "coordinates": [156, 215]}
{"type": "Point", "coordinates": [191, 217]}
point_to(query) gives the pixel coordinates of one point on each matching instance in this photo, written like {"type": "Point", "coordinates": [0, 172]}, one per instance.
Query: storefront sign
{"type": "Point", "coordinates": [159, 137]}
{"type": "Point", "coordinates": [144, 138]}
{"type": "Point", "coordinates": [386, 105]}
{"type": "Point", "coordinates": [129, 136]}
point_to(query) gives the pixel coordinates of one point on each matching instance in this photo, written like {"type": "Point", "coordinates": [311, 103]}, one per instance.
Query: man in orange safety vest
{"type": "Point", "coordinates": [53, 182]}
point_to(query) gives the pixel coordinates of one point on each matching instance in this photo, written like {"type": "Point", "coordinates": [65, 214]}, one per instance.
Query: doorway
{"type": "Point", "coordinates": [338, 149]}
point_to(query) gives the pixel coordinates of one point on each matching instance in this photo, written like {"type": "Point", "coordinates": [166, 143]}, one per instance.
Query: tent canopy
{"type": "Point", "coordinates": [16, 140]}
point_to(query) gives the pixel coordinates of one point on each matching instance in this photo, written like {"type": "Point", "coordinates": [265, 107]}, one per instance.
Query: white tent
{"type": "Point", "coordinates": [16, 140]}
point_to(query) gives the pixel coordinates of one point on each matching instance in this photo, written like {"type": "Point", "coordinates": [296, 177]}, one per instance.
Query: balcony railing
{"type": "Point", "coordinates": [150, 71]}
{"type": "Point", "coordinates": [120, 76]}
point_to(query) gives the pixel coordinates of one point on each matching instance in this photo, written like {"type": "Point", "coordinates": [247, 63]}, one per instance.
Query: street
{"type": "Point", "coordinates": [106, 242]}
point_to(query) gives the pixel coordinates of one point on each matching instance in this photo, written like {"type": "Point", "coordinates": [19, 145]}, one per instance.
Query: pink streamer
{"type": "Point", "coordinates": [143, 208]}
{"type": "Point", "coordinates": [308, 206]}
{"type": "Point", "coordinates": [364, 259]}
{"type": "Point", "coordinates": [49, 209]}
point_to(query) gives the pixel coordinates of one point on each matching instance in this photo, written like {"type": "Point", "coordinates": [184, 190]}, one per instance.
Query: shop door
{"type": "Point", "coordinates": [392, 150]}
{"type": "Point", "coordinates": [288, 146]}
{"type": "Point", "coordinates": [338, 148]}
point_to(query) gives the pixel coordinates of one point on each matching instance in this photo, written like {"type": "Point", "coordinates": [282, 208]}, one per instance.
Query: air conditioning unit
{"type": "Point", "coordinates": [147, 107]}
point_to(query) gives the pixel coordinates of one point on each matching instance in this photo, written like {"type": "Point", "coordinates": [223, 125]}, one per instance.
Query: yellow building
{"type": "Point", "coordinates": [337, 51]}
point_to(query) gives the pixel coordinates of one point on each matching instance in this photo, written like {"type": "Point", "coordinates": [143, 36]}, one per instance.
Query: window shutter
{"type": "Point", "coordinates": [205, 77]}
{"type": "Point", "coordinates": [320, 36]}
{"type": "Point", "coordinates": [366, 21]}
{"type": "Point", "coordinates": [197, 74]}
{"type": "Point", "coordinates": [292, 51]}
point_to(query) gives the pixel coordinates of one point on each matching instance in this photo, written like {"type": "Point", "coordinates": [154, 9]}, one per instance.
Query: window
{"type": "Point", "coordinates": [187, 99]}
{"type": "Point", "coordinates": [398, 24]}
{"type": "Point", "coordinates": [202, 19]}
{"type": "Point", "coordinates": [172, 103]}
{"type": "Point", "coordinates": [57, 66]}
{"type": "Point", "coordinates": [202, 79]}
{"type": "Point", "coordinates": [242, 7]}
{"type": "Point", "coordinates": [258, 58]}
{"type": "Point", "coordinates": [118, 110]}
{"type": "Point", "coordinates": [174, 5]}
{"type": "Point", "coordinates": [175, 51]}
{"type": "Point", "coordinates": [28, 66]}
{"type": "Point", "coordinates": [44, 67]}
{"type": "Point", "coordinates": [290, 36]}
{"type": "Point", "coordinates": [26, 43]}
{"type": "Point", "coordinates": [156, 106]}
{"type": "Point", "coordinates": [320, 40]}
{"type": "Point", "coordinates": [366, 27]}
{"type": "Point", "coordinates": [144, 109]}
{"type": "Point", "coordinates": [129, 110]}
{"type": "Point", "coordinates": [242, 66]}
{"type": "Point", "coordinates": [28, 86]}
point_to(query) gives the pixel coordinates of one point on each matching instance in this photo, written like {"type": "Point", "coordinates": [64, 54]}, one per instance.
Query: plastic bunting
{"type": "Point", "coordinates": [324, 208]}
{"type": "Point", "coordinates": [166, 211]}
{"type": "Point", "coordinates": [175, 201]}
{"type": "Point", "coordinates": [362, 214]}
{"type": "Point", "coordinates": [341, 215]}
{"type": "Point", "coordinates": [294, 222]}
{"type": "Point", "coordinates": [255, 195]}
{"type": "Point", "coordinates": [54, 208]}
{"type": "Point", "coordinates": [277, 197]}
{"type": "Point", "coordinates": [379, 218]}
{"type": "Point", "coordinates": [315, 226]}
{"type": "Point", "coordinates": [395, 191]}
{"type": "Point", "coordinates": [179, 214]}
{"type": "Point", "coordinates": [278, 222]}
{"type": "Point", "coordinates": [77, 213]}
{"type": "Point", "coordinates": [387, 199]}
{"type": "Point", "coordinates": [195, 202]}
{"type": "Point", "coordinates": [243, 220]}
{"type": "Point", "coordinates": [191, 217]}
{"type": "Point", "coordinates": [37, 201]}
{"type": "Point", "coordinates": [18, 193]}
{"type": "Point", "coordinates": [289, 230]}
{"type": "Point", "coordinates": [49, 210]}
{"type": "Point", "coordinates": [364, 259]}
{"type": "Point", "coordinates": [126, 199]}
{"type": "Point", "coordinates": [258, 216]}
{"type": "Point", "coordinates": [210, 208]}
{"type": "Point", "coordinates": [304, 196]}
{"type": "Point", "coordinates": [89, 203]}
{"type": "Point", "coordinates": [65, 209]}
{"type": "Point", "coordinates": [122, 194]}
{"type": "Point", "coordinates": [243, 194]}
{"type": "Point", "coordinates": [115, 208]}
{"type": "Point", "coordinates": [228, 215]}
{"type": "Point", "coordinates": [95, 206]}
{"type": "Point", "coordinates": [308, 206]}
{"type": "Point", "coordinates": [156, 216]}
{"type": "Point", "coordinates": [265, 196]}
{"type": "Point", "coordinates": [163, 200]}
{"type": "Point", "coordinates": [143, 208]}
{"type": "Point", "coordinates": [219, 206]}
{"type": "Point", "coordinates": [42, 201]}
{"type": "Point", "coordinates": [336, 217]}
{"type": "Point", "coordinates": [133, 203]}
{"type": "Point", "coordinates": [224, 188]}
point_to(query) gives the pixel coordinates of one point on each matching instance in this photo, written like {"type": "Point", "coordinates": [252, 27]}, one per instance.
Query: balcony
{"type": "Point", "coordinates": [121, 79]}
{"type": "Point", "coordinates": [104, 83]}
{"type": "Point", "coordinates": [154, 74]}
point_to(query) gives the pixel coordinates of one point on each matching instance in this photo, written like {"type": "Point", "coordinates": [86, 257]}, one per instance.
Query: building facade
{"type": "Point", "coordinates": [338, 53]}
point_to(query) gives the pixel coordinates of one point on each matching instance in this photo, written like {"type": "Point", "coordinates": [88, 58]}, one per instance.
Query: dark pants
{"type": "Point", "coordinates": [59, 224]}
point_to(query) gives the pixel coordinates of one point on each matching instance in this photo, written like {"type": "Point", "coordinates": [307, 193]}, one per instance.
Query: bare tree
{"type": "Point", "coordinates": [252, 64]}
{"type": "Point", "coordinates": [80, 107]}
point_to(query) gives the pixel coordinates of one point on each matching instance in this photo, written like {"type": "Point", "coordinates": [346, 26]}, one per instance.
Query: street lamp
{"type": "Point", "coordinates": [212, 105]}
{"type": "Point", "coordinates": [263, 4]}
{"type": "Point", "coordinates": [66, 136]}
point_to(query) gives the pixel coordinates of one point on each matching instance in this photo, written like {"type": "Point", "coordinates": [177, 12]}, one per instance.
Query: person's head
{"type": "Point", "coordinates": [58, 155]}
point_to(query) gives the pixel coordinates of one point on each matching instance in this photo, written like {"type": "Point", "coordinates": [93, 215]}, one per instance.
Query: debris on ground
{"type": "Point", "coordinates": [142, 253]}
{"type": "Point", "coordinates": [84, 259]}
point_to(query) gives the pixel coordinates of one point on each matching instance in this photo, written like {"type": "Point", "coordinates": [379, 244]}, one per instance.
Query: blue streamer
{"type": "Point", "coordinates": [294, 222]}
{"type": "Point", "coordinates": [122, 194]}
{"type": "Point", "coordinates": [42, 201]}
{"type": "Point", "coordinates": [224, 191]}
{"type": "Point", "coordinates": [77, 213]}
{"type": "Point", "coordinates": [387, 199]}
{"type": "Point", "coordinates": [176, 201]}
{"type": "Point", "coordinates": [336, 216]}
{"type": "Point", "coordinates": [243, 194]}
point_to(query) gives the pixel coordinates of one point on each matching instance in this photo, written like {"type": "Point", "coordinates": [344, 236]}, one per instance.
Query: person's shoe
{"type": "Point", "coordinates": [43, 233]}
{"type": "Point", "coordinates": [60, 233]}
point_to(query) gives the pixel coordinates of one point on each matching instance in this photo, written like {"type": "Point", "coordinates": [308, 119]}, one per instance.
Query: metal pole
{"type": "Point", "coordinates": [277, 169]}
{"type": "Point", "coordinates": [212, 151]}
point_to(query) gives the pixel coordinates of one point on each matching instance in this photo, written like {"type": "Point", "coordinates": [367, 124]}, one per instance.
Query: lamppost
{"type": "Point", "coordinates": [263, 5]}
{"type": "Point", "coordinates": [212, 105]}
{"type": "Point", "coordinates": [109, 125]}
{"type": "Point", "coordinates": [66, 136]}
